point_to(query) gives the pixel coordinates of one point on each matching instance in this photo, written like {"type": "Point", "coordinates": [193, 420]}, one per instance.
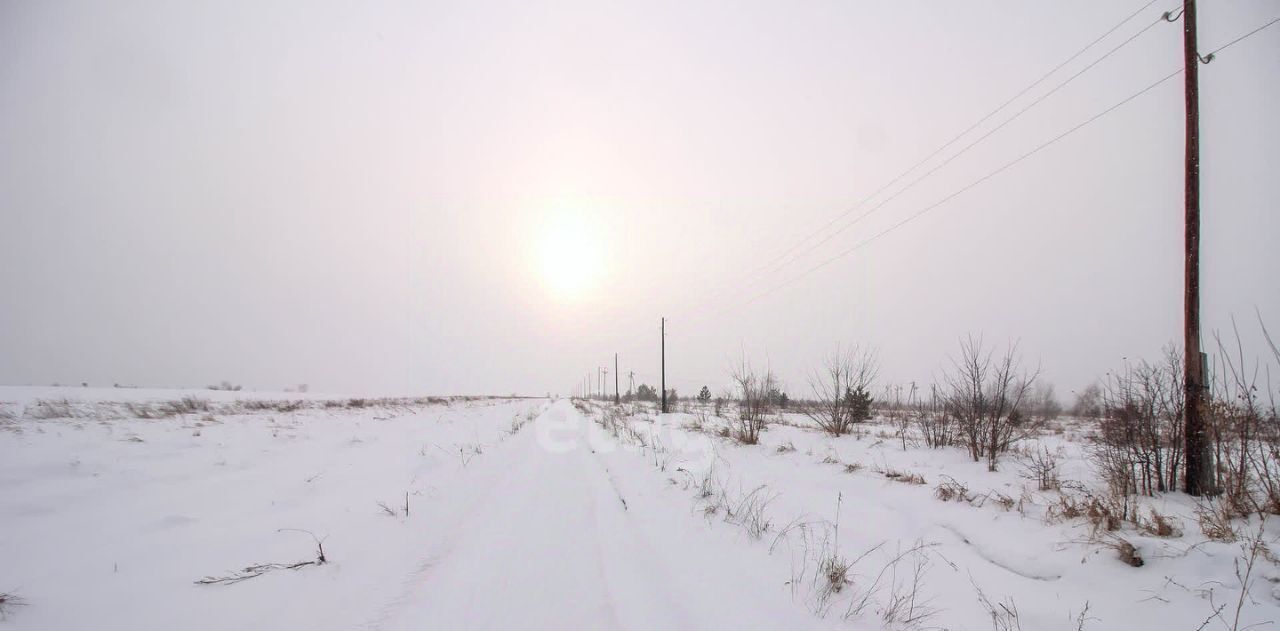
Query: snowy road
{"type": "Point", "coordinates": [555, 530]}
{"type": "Point", "coordinates": [526, 514]}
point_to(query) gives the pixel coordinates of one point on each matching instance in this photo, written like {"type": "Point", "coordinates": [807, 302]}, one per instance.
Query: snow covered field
{"type": "Point", "coordinates": [534, 513]}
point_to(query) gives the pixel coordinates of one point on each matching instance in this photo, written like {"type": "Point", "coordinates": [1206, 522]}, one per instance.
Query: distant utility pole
{"type": "Point", "coordinates": [631, 381]}
{"type": "Point", "coordinates": [617, 398]}
{"type": "Point", "coordinates": [604, 383]}
{"type": "Point", "coordinates": [1199, 466]}
{"type": "Point", "coordinates": [664, 365]}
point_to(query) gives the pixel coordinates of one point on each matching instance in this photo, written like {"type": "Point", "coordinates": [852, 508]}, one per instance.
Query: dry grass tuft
{"type": "Point", "coordinates": [951, 489]}
{"type": "Point", "coordinates": [46, 409]}
{"type": "Point", "coordinates": [8, 601]}
{"type": "Point", "coordinates": [254, 571]}
{"type": "Point", "coordinates": [1159, 525]}
{"type": "Point", "coordinates": [1127, 553]}
{"type": "Point", "coordinates": [905, 478]}
{"type": "Point", "coordinates": [1215, 522]}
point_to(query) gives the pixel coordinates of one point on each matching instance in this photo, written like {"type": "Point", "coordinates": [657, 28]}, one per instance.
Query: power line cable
{"type": "Point", "coordinates": [1206, 59]}
{"type": "Point", "coordinates": [1210, 56]}
{"type": "Point", "coordinates": [984, 136]}
{"type": "Point", "coordinates": [790, 256]}
{"type": "Point", "coordinates": [966, 188]}
{"type": "Point", "coordinates": [966, 131]}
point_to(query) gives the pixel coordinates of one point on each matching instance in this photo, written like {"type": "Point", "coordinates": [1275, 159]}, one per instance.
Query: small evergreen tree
{"type": "Point", "coordinates": [704, 396]}
{"type": "Point", "coordinates": [858, 402]}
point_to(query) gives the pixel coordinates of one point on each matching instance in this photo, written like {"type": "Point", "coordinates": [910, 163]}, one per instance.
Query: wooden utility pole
{"type": "Point", "coordinates": [1199, 466]}
{"type": "Point", "coordinates": [664, 365]}
{"type": "Point", "coordinates": [617, 397]}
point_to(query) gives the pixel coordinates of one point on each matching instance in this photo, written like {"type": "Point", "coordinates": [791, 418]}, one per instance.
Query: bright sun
{"type": "Point", "coordinates": [570, 257]}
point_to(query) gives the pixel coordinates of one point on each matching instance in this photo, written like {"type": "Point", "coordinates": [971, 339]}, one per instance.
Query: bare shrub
{"type": "Point", "coordinates": [840, 389]}
{"type": "Point", "coordinates": [754, 406]}
{"type": "Point", "coordinates": [936, 427]}
{"type": "Point", "coordinates": [1088, 403]}
{"type": "Point", "coordinates": [1042, 402]}
{"type": "Point", "coordinates": [1139, 448]}
{"type": "Point", "coordinates": [986, 396]}
{"type": "Point", "coordinates": [903, 414]}
{"type": "Point", "coordinates": [1041, 465]}
{"type": "Point", "coordinates": [1245, 432]}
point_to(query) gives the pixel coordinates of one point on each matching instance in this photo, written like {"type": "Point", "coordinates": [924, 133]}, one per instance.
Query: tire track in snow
{"type": "Point", "coordinates": [527, 552]}
{"type": "Point", "coordinates": [487, 474]}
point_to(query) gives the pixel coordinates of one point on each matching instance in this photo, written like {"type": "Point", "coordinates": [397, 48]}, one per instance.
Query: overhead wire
{"type": "Point", "coordinates": [771, 266]}
{"type": "Point", "coordinates": [967, 187]}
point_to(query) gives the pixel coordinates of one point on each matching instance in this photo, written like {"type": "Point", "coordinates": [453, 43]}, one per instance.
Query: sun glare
{"type": "Point", "coordinates": [570, 257]}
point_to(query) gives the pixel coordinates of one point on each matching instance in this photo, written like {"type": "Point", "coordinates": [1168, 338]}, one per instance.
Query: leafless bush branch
{"type": "Point", "coordinates": [986, 396]}
{"type": "Point", "coordinates": [755, 406]}
{"type": "Point", "coordinates": [840, 389]}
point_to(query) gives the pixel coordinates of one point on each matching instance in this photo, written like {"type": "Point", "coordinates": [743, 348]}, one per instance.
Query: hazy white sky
{"type": "Point", "coordinates": [496, 197]}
